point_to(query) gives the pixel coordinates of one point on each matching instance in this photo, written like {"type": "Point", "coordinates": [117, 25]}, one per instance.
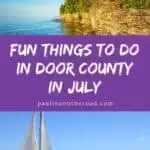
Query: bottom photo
{"type": "Point", "coordinates": [74, 130]}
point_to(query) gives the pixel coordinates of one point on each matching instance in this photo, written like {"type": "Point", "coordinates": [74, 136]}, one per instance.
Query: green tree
{"type": "Point", "coordinates": [73, 6]}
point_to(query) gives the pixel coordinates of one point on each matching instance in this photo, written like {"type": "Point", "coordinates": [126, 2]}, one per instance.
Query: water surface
{"type": "Point", "coordinates": [14, 26]}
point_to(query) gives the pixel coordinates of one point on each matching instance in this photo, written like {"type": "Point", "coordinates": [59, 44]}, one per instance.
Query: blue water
{"type": "Point", "coordinates": [13, 26]}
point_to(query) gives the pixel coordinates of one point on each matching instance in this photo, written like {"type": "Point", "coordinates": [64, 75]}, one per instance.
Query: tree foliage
{"type": "Point", "coordinates": [73, 6]}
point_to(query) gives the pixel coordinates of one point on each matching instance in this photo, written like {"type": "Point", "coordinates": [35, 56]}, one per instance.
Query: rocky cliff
{"type": "Point", "coordinates": [107, 18]}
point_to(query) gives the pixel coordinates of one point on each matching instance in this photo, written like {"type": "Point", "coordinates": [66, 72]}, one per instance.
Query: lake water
{"type": "Point", "coordinates": [13, 26]}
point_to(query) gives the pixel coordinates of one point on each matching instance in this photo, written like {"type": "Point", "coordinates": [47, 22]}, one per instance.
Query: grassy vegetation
{"type": "Point", "coordinates": [137, 4]}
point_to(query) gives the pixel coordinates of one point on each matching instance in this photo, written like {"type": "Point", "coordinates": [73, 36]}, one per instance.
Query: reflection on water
{"type": "Point", "coordinates": [76, 29]}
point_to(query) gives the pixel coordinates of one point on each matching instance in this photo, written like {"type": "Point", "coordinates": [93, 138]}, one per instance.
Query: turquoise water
{"type": "Point", "coordinates": [13, 26]}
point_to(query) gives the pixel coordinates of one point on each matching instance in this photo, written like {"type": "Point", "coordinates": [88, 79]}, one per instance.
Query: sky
{"type": "Point", "coordinates": [30, 8]}
{"type": "Point", "coordinates": [81, 130]}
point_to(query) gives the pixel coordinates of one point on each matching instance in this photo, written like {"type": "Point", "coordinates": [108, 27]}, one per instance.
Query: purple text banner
{"type": "Point", "coordinates": [75, 73]}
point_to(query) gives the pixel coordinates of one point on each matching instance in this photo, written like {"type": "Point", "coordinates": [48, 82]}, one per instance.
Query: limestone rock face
{"type": "Point", "coordinates": [108, 18]}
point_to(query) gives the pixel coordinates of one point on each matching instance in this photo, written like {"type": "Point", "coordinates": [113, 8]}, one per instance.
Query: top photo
{"type": "Point", "coordinates": [75, 17]}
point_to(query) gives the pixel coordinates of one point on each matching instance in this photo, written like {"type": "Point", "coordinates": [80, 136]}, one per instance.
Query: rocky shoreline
{"type": "Point", "coordinates": [108, 22]}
